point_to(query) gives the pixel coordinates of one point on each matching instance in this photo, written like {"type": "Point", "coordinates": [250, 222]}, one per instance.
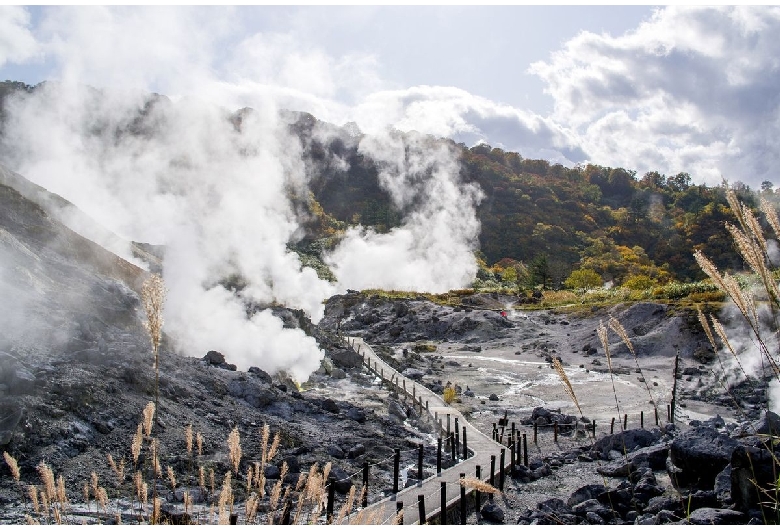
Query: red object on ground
{"type": "Point", "coordinates": [503, 314]}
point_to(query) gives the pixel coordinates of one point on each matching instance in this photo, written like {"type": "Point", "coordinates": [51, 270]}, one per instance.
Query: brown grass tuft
{"type": "Point", "coordinates": [13, 466]}
{"type": "Point", "coordinates": [234, 446]}
{"type": "Point", "coordinates": [566, 383]}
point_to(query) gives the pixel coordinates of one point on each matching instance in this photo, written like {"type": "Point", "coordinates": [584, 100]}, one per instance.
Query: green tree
{"type": "Point", "coordinates": [540, 271]}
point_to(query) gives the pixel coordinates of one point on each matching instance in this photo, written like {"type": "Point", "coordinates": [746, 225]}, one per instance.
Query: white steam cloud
{"type": "Point", "coordinates": [214, 195]}
{"type": "Point", "coordinates": [433, 248]}
{"type": "Point", "coordinates": [213, 189]}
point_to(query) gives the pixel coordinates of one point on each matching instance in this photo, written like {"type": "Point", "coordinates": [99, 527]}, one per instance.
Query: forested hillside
{"type": "Point", "coordinates": [545, 220]}
{"type": "Point", "coordinates": [541, 223]}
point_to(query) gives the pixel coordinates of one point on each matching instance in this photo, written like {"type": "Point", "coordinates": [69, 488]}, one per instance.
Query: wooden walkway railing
{"type": "Point", "coordinates": [483, 452]}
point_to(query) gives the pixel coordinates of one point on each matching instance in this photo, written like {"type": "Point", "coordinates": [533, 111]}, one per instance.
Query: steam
{"type": "Point", "coordinates": [213, 185]}
{"type": "Point", "coordinates": [433, 248]}
{"type": "Point", "coordinates": [215, 196]}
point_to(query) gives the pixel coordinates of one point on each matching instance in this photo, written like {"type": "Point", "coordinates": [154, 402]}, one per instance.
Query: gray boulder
{"type": "Point", "coordinates": [587, 492]}
{"type": "Point", "coordinates": [751, 467]}
{"type": "Point", "coordinates": [769, 423]}
{"type": "Point", "coordinates": [491, 512]}
{"type": "Point", "coordinates": [700, 454]}
{"type": "Point", "coordinates": [627, 441]}
{"type": "Point", "coordinates": [711, 516]}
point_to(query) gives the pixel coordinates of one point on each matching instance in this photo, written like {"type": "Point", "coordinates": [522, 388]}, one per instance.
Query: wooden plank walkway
{"type": "Point", "coordinates": [481, 447]}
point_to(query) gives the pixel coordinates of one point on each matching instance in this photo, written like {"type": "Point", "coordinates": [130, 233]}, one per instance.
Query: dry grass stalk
{"type": "Point", "coordinates": [276, 493]}
{"type": "Point", "coordinates": [479, 485]}
{"type": "Point", "coordinates": [771, 216]}
{"type": "Point", "coordinates": [44, 503]}
{"type": "Point", "coordinates": [32, 491]}
{"type": "Point", "coordinates": [30, 521]}
{"type": "Point", "coordinates": [135, 446]}
{"type": "Point", "coordinates": [250, 509]}
{"type": "Point", "coordinates": [234, 446]}
{"type": "Point", "coordinates": [156, 508]}
{"type": "Point", "coordinates": [188, 438]}
{"type": "Point", "coordinates": [118, 469]}
{"type": "Point", "coordinates": [172, 478]}
{"type": "Point", "coordinates": [346, 507]}
{"type": "Point", "coordinates": [211, 481]}
{"type": "Point", "coordinates": [721, 332]}
{"type": "Point", "coordinates": [225, 496]}
{"type": "Point", "coordinates": [153, 298]}
{"type": "Point", "coordinates": [202, 478]}
{"type": "Point", "coordinates": [137, 480]}
{"type": "Point", "coordinates": [618, 328]}
{"type": "Point", "coordinates": [566, 383]}
{"type": "Point", "coordinates": [707, 329]}
{"type": "Point", "coordinates": [199, 443]}
{"type": "Point", "coordinates": [102, 497]}
{"type": "Point", "coordinates": [266, 433]}
{"type": "Point", "coordinates": [47, 477]}
{"type": "Point", "coordinates": [249, 478]}
{"type": "Point", "coordinates": [145, 493]}
{"type": "Point", "coordinates": [57, 516]}
{"type": "Point", "coordinates": [603, 336]}
{"type": "Point", "coordinates": [13, 466]}
{"type": "Point", "coordinates": [148, 418]}
{"type": "Point", "coordinates": [62, 496]}
{"type": "Point", "coordinates": [274, 447]}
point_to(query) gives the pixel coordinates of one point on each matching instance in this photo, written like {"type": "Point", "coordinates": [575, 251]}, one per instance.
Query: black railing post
{"type": "Point", "coordinates": [396, 469]}
{"type": "Point", "coordinates": [465, 445]}
{"type": "Point", "coordinates": [536, 432]}
{"type": "Point", "coordinates": [612, 426]}
{"type": "Point", "coordinates": [512, 444]}
{"type": "Point", "coordinates": [365, 484]}
{"type": "Point", "coordinates": [513, 430]}
{"type": "Point", "coordinates": [462, 499]}
{"type": "Point", "coordinates": [443, 514]}
{"type": "Point", "coordinates": [555, 432]}
{"type": "Point", "coordinates": [438, 457]}
{"type": "Point", "coordinates": [501, 470]}
{"type": "Point", "coordinates": [420, 464]}
{"type": "Point", "coordinates": [655, 409]}
{"type": "Point", "coordinates": [594, 428]}
{"type": "Point", "coordinates": [641, 419]}
{"type": "Point", "coordinates": [453, 456]}
{"type": "Point", "coordinates": [478, 494]}
{"type": "Point", "coordinates": [492, 474]}
{"type": "Point", "coordinates": [525, 450]}
{"type": "Point", "coordinates": [457, 438]}
{"type": "Point", "coordinates": [331, 497]}
{"type": "Point", "coordinates": [625, 421]}
{"type": "Point", "coordinates": [399, 509]}
{"type": "Point", "coordinates": [421, 508]}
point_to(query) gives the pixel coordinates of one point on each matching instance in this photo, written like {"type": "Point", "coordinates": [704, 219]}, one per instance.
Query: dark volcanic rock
{"type": "Point", "coordinates": [751, 466]}
{"type": "Point", "coordinates": [700, 454]}
{"type": "Point", "coordinates": [330, 405]}
{"type": "Point", "coordinates": [711, 516]}
{"type": "Point", "coordinates": [214, 358]}
{"type": "Point", "coordinates": [626, 441]}
{"type": "Point", "coordinates": [491, 512]}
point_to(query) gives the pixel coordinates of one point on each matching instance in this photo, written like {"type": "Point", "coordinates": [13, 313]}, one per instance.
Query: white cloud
{"type": "Point", "coordinates": [692, 89]}
{"type": "Point", "coordinates": [17, 43]}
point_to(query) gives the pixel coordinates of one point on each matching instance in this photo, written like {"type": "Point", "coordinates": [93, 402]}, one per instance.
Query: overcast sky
{"type": "Point", "coordinates": [669, 89]}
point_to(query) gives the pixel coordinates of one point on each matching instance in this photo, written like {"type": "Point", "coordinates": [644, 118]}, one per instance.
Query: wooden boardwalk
{"type": "Point", "coordinates": [480, 446]}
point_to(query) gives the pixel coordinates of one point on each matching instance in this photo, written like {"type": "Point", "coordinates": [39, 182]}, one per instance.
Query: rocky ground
{"type": "Point", "coordinates": [76, 373]}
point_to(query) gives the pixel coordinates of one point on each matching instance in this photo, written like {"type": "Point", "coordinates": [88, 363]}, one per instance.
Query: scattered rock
{"type": "Point", "coordinates": [491, 512]}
